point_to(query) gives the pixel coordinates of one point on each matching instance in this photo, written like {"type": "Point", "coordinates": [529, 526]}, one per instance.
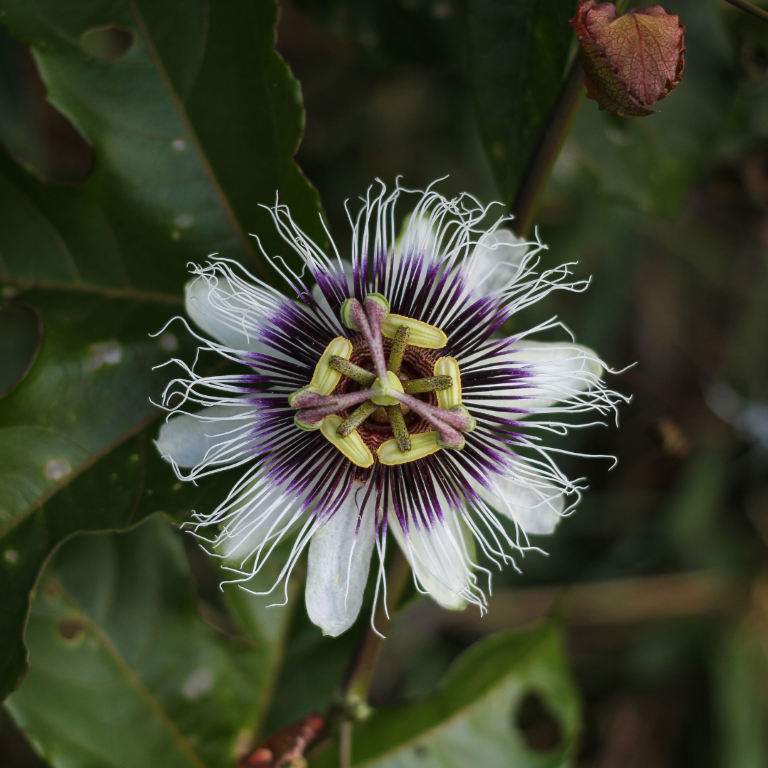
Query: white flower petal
{"type": "Point", "coordinates": [263, 516]}
{"type": "Point", "coordinates": [561, 370]}
{"type": "Point", "coordinates": [439, 558]}
{"type": "Point", "coordinates": [233, 324]}
{"type": "Point", "coordinates": [187, 439]}
{"type": "Point", "coordinates": [531, 501]}
{"type": "Point", "coordinates": [337, 569]}
{"type": "Point", "coordinates": [496, 261]}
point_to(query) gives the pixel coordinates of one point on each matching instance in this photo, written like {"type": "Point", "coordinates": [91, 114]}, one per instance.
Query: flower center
{"type": "Point", "coordinates": [387, 393]}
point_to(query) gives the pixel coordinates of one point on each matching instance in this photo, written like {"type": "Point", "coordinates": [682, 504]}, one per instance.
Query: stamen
{"type": "Point", "coordinates": [397, 421]}
{"type": "Point", "coordinates": [351, 446]}
{"type": "Point", "coordinates": [357, 418]}
{"type": "Point", "coordinates": [325, 378]}
{"type": "Point", "coordinates": [432, 384]}
{"type": "Point", "coordinates": [398, 349]}
{"type": "Point", "coordinates": [355, 372]}
{"type": "Point", "coordinates": [422, 445]}
{"type": "Point", "coordinates": [448, 398]}
{"type": "Point", "coordinates": [421, 334]}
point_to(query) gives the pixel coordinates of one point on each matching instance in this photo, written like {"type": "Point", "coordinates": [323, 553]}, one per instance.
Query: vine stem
{"type": "Point", "coordinates": [555, 132]}
{"type": "Point", "coordinates": [540, 167]}
{"type": "Point", "coordinates": [749, 8]}
{"type": "Point", "coordinates": [357, 679]}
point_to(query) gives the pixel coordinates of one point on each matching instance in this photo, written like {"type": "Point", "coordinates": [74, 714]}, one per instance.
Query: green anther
{"type": "Point", "coordinates": [398, 427]}
{"type": "Point", "coordinates": [359, 415]}
{"type": "Point", "coordinates": [398, 349]}
{"type": "Point", "coordinates": [422, 334]}
{"type": "Point", "coordinates": [355, 372]}
{"type": "Point", "coordinates": [325, 378]}
{"type": "Point", "coordinates": [447, 398]}
{"type": "Point", "coordinates": [432, 384]}
{"type": "Point", "coordinates": [422, 445]}
{"type": "Point", "coordinates": [352, 446]}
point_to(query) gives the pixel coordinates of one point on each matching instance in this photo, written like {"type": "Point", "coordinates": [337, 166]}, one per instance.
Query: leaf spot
{"type": "Point", "coordinates": [110, 43]}
{"type": "Point", "coordinates": [12, 556]}
{"type": "Point", "coordinates": [421, 751]}
{"type": "Point", "coordinates": [105, 353]}
{"type": "Point", "coordinates": [184, 221]}
{"type": "Point", "coordinates": [179, 145]}
{"type": "Point", "coordinates": [55, 469]}
{"type": "Point", "coordinates": [538, 726]}
{"type": "Point", "coordinates": [72, 630]}
{"type": "Point", "coordinates": [198, 683]}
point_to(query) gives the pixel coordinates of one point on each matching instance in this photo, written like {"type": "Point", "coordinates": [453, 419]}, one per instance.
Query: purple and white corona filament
{"type": "Point", "coordinates": [385, 398]}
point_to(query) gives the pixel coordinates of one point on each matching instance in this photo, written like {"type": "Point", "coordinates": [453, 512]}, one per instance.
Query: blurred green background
{"type": "Point", "coordinates": [661, 576]}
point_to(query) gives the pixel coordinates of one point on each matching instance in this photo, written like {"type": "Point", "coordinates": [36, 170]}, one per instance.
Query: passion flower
{"type": "Point", "coordinates": [385, 397]}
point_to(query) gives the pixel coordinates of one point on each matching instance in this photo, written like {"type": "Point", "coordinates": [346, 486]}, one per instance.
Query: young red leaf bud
{"type": "Point", "coordinates": [630, 61]}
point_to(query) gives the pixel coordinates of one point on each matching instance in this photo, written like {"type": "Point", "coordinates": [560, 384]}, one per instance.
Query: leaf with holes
{"type": "Point", "coordinates": [124, 671]}
{"type": "Point", "coordinates": [509, 700]}
{"type": "Point", "coordinates": [517, 55]}
{"type": "Point", "coordinates": [86, 392]}
{"type": "Point", "coordinates": [194, 120]}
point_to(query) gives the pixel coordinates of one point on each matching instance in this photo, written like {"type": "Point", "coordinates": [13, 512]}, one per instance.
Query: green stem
{"type": "Point", "coordinates": [541, 164]}
{"type": "Point", "coordinates": [357, 680]}
{"type": "Point", "coordinates": [749, 8]}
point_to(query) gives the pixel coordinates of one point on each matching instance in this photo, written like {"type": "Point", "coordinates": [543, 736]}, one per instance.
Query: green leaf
{"type": "Point", "coordinates": [517, 56]}
{"type": "Point", "coordinates": [124, 671]}
{"type": "Point", "coordinates": [475, 717]}
{"type": "Point", "coordinates": [194, 119]}
{"type": "Point", "coordinates": [193, 127]}
{"type": "Point", "coordinates": [21, 331]}
{"type": "Point", "coordinates": [87, 391]}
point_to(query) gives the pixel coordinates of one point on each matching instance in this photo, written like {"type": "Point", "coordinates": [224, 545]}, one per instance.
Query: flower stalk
{"type": "Point", "coordinates": [540, 167]}
{"type": "Point", "coordinates": [356, 683]}
{"type": "Point", "coordinates": [749, 8]}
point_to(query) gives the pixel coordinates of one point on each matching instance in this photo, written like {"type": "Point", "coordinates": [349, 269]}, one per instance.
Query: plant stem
{"type": "Point", "coordinates": [345, 744]}
{"type": "Point", "coordinates": [749, 8]}
{"type": "Point", "coordinates": [543, 160]}
{"type": "Point", "coordinates": [359, 674]}
{"type": "Point", "coordinates": [357, 680]}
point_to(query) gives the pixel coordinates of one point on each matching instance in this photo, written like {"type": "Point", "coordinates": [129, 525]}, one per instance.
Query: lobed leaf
{"type": "Point", "coordinates": [125, 672]}
{"type": "Point", "coordinates": [474, 717]}
{"type": "Point", "coordinates": [189, 141]}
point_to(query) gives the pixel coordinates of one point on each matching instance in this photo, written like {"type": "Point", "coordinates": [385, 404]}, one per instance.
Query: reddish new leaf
{"type": "Point", "coordinates": [630, 61]}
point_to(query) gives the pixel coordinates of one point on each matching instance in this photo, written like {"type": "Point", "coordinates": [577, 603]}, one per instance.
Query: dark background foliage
{"type": "Point", "coordinates": [660, 579]}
